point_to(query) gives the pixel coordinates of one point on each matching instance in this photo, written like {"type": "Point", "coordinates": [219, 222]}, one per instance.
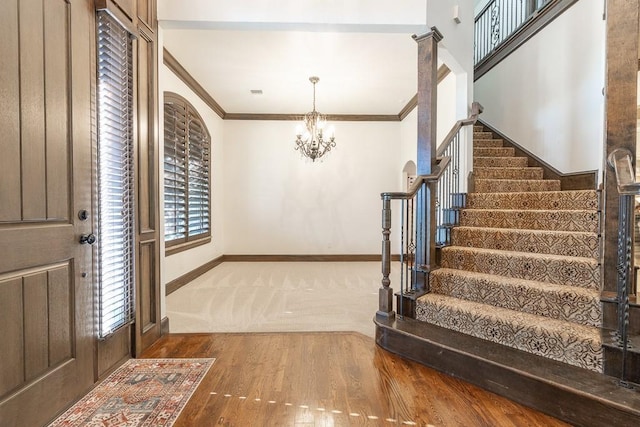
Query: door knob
{"type": "Point", "coordinates": [88, 239]}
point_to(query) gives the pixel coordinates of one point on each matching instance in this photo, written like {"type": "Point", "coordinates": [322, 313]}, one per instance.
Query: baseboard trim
{"type": "Point", "coordinates": [587, 180]}
{"type": "Point", "coordinates": [164, 326]}
{"type": "Point", "coordinates": [179, 282]}
{"type": "Point", "coordinates": [306, 258]}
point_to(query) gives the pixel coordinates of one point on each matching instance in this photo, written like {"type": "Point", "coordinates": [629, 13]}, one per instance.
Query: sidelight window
{"type": "Point", "coordinates": [186, 174]}
{"type": "Point", "coordinates": [115, 175]}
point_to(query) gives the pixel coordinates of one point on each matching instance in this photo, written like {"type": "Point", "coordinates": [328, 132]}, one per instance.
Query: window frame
{"type": "Point", "coordinates": [190, 114]}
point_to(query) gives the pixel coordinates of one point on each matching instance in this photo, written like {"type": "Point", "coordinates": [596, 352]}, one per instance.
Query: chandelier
{"type": "Point", "coordinates": [311, 137]}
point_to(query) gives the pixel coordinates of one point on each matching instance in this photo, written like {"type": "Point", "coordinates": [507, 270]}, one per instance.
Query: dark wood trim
{"type": "Point", "coordinates": [330, 117]}
{"type": "Point", "coordinates": [172, 63]}
{"type": "Point", "coordinates": [179, 282]}
{"type": "Point", "coordinates": [587, 180]}
{"type": "Point", "coordinates": [407, 109]}
{"type": "Point", "coordinates": [307, 258]}
{"type": "Point", "coordinates": [170, 250]}
{"type": "Point", "coordinates": [529, 29]}
{"type": "Point", "coordinates": [575, 395]}
{"type": "Point", "coordinates": [443, 72]}
{"type": "Point", "coordinates": [118, 14]}
{"type": "Point", "coordinates": [164, 326]}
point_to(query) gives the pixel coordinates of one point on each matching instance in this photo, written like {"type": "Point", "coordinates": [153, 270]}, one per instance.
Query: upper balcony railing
{"type": "Point", "coordinates": [499, 20]}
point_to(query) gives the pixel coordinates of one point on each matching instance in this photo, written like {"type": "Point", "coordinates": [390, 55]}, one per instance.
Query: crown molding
{"type": "Point", "coordinates": [172, 63]}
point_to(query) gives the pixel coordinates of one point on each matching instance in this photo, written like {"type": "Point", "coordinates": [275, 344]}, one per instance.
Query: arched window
{"type": "Point", "coordinates": [186, 175]}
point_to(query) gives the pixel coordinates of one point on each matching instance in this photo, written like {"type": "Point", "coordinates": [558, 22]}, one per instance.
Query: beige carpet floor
{"type": "Point", "coordinates": [280, 297]}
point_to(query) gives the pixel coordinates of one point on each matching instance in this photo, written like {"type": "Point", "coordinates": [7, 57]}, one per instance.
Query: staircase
{"type": "Point", "coordinates": [523, 266]}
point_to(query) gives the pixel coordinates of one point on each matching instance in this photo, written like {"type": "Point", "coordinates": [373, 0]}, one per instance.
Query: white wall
{"type": "Point", "coordinates": [278, 203]}
{"type": "Point", "coordinates": [547, 95]}
{"type": "Point", "coordinates": [456, 47]}
{"type": "Point", "coordinates": [447, 107]}
{"type": "Point", "coordinates": [287, 13]}
{"type": "Point", "coordinates": [180, 263]}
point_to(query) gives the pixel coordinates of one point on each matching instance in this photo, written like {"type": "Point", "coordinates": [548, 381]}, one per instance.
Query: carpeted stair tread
{"type": "Point", "coordinates": [559, 220]}
{"type": "Point", "coordinates": [543, 200]}
{"type": "Point", "coordinates": [481, 143]}
{"type": "Point", "coordinates": [508, 173]}
{"type": "Point", "coordinates": [506, 162]}
{"type": "Point", "coordinates": [566, 342]}
{"type": "Point", "coordinates": [515, 185]}
{"type": "Point", "coordinates": [567, 243]}
{"type": "Point", "coordinates": [494, 151]}
{"type": "Point", "coordinates": [567, 303]}
{"type": "Point", "coordinates": [557, 269]}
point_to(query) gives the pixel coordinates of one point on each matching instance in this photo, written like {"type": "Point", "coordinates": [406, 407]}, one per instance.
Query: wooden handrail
{"type": "Point", "coordinates": [620, 161]}
{"type": "Point", "coordinates": [476, 110]}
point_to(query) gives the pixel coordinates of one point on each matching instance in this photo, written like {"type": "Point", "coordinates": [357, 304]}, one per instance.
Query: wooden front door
{"type": "Point", "coordinates": [46, 294]}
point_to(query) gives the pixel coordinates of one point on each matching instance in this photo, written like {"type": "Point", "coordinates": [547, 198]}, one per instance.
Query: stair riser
{"type": "Point", "coordinates": [515, 186]}
{"type": "Point", "coordinates": [503, 162]}
{"type": "Point", "coordinates": [562, 346]}
{"type": "Point", "coordinates": [579, 245]}
{"type": "Point", "coordinates": [494, 152]}
{"type": "Point", "coordinates": [576, 272]}
{"type": "Point", "coordinates": [508, 173]}
{"type": "Point", "coordinates": [482, 135]}
{"type": "Point", "coordinates": [566, 305]}
{"type": "Point", "coordinates": [532, 220]}
{"type": "Point", "coordinates": [561, 200]}
{"type": "Point", "coordinates": [482, 143]}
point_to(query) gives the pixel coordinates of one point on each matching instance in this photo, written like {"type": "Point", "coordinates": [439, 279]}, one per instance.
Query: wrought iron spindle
{"type": "Point", "coordinates": [625, 266]}
{"type": "Point", "coordinates": [498, 21]}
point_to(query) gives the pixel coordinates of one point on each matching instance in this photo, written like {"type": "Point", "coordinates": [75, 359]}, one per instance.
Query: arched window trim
{"type": "Point", "coordinates": [187, 171]}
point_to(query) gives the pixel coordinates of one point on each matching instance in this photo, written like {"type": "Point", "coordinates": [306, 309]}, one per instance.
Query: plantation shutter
{"type": "Point", "coordinates": [186, 173]}
{"type": "Point", "coordinates": [115, 175]}
{"type": "Point", "coordinates": [198, 178]}
{"type": "Point", "coordinates": [175, 172]}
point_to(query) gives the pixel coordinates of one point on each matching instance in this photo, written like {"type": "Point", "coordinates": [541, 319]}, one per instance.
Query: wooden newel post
{"type": "Point", "coordinates": [426, 156]}
{"type": "Point", "coordinates": [385, 307]}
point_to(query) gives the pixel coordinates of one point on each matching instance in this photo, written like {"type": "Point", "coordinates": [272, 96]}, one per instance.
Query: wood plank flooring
{"type": "Point", "coordinates": [328, 379]}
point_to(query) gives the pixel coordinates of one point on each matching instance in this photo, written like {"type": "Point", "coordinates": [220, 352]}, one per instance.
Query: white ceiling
{"type": "Point", "coordinates": [360, 73]}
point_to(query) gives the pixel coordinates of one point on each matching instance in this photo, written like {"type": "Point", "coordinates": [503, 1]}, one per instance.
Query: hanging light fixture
{"type": "Point", "coordinates": [313, 140]}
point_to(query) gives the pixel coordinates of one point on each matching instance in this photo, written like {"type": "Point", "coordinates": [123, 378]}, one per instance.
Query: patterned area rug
{"type": "Point", "coordinates": [142, 392]}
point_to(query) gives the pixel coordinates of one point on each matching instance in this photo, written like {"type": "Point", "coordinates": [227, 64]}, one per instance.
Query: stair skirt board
{"type": "Point", "coordinates": [572, 394]}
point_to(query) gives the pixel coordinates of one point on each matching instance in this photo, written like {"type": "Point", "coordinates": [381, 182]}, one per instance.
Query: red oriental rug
{"type": "Point", "coordinates": [142, 392]}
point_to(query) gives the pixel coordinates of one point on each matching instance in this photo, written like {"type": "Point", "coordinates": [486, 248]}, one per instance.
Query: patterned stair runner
{"type": "Point", "coordinates": [522, 269]}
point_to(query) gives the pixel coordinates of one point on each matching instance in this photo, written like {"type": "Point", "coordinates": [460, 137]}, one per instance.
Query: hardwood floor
{"type": "Point", "coordinates": [328, 379]}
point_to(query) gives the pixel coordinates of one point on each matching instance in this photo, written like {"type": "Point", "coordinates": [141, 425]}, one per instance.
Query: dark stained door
{"type": "Point", "coordinates": [46, 301]}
